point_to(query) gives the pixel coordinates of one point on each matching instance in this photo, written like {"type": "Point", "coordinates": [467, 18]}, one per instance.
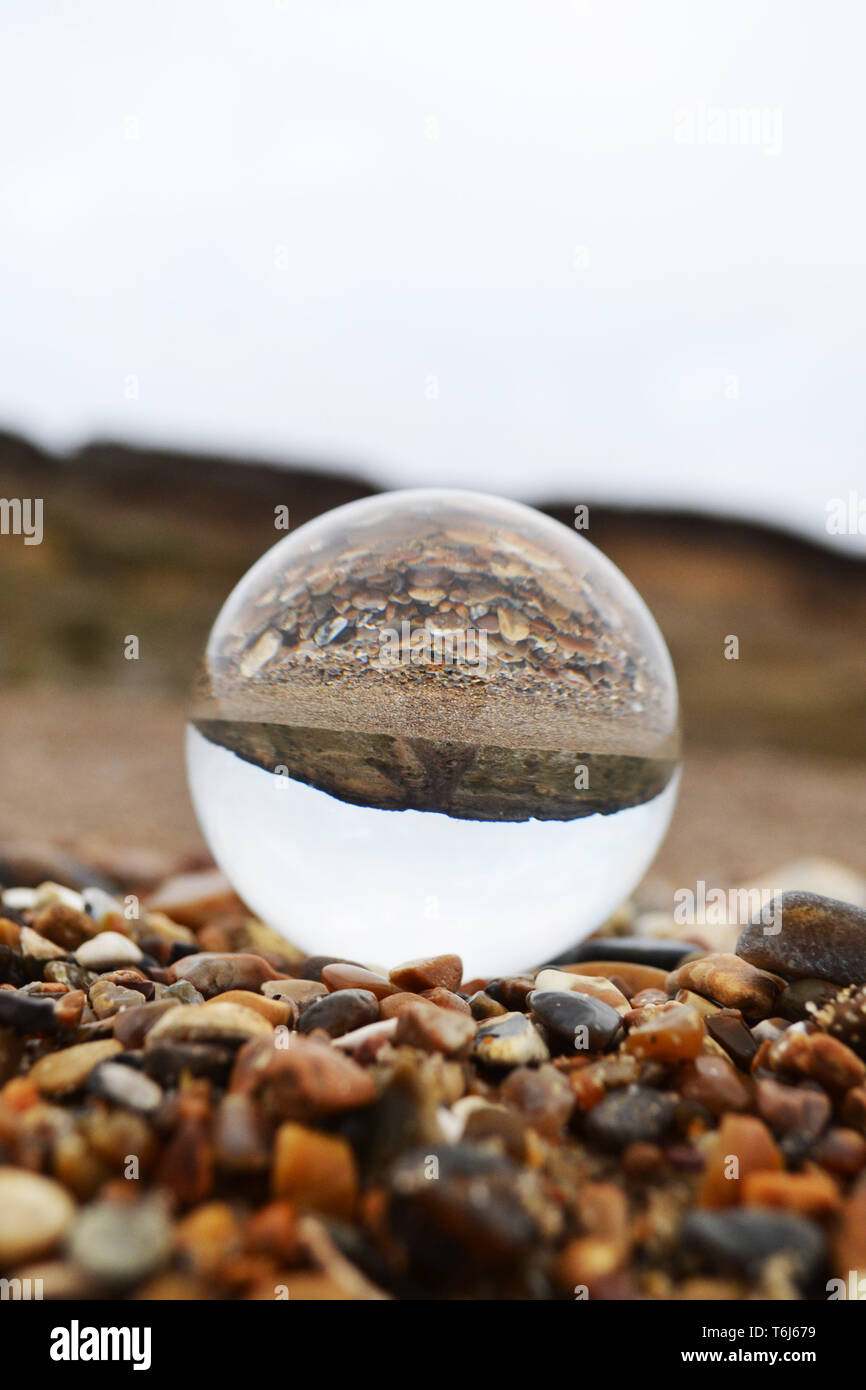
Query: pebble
{"type": "Point", "coordinates": [841, 1151]}
{"type": "Point", "coordinates": [810, 1194]}
{"type": "Point", "coordinates": [803, 1110]}
{"type": "Point", "coordinates": [398, 1003]}
{"type": "Point", "coordinates": [428, 973]}
{"type": "Point", "coordinates": [622, 972]}
{"type": "Point", "coordinates": [636, 950]}
{"type": "Point", "coordinates": [819, 1057]}
{"type": "Point", "coordinates": [342, 977]}
{"type": "Point", "coordinates": [108, 949]}
{"type": "Point", "coordinates": [730, 981]}
{"type": "Point", "coordinates": [214, 972]}
{"type": "Point", "coordinates": [729, 1030]}
{"type": "Point", "coordinates": [635, 1113]}
{"type": "Point", "coordinates": [447, 999]}
{"type": "Point", "coordinates": [365, 1043]}
{"type": "Point", "coordinates": [542, 1095]}
{"type": "Point", "coordinates": [195, 898]}
{"type": "Point", "coordinates": [340, 1012]}
{"type": "Point", "coordinates": [183, 992]}
{"type": "Point", "coordinates": [510, 1041]}
{"type": "Point", "coordinates": [715, 1084]}
{"type": "Point", "coordinates": [132, 1026]}
{"type": "Point", "coordinates": [26, 1014]}
{"type": "Point", "coordinates": [483, 1213]}
{"type": "Point", "coordinates": [738, 1242]}
{"type": "Point", "coordinates": [511, 992]}
{"type": "Point", "coordinates": [120, 1243]}
{"type": "Point", "coordinates": [125, 1086]}
{"type": "Point", "coordinates": [315, 1171]}
{"type": "Point", "coordinates": [107, 999]}
{"type": "Point", "coordinates": [215, 1022]}
{"type": "Point", "coordinates": [595, 987]}
{"type": "Point", "coordinates": [436, 1030]}
{"type": "Point", "coordinates": [167, 1062]}
{"type": "Point", "coordinates": [795, 1000]}
{"type": "Point", "coordinates": [746, 1139]}
{"type": "Point", "coordinates": [277, 1012]}
{"type": "Point", "coordinates": [35, 1215]}
{"type": "Point", "coordinates": [59, 1072]}
{"type": "Point", "coordinates": [37, 947]}
{"type": "Point", "coordinates": [98, 904]}
{"type": "Point", "coordinates": [817, 937]}
{"type": "Point", "coordinates": [64, 925]}
{"type": "Point", "coordinates": [564, 1012]}
{"type": "Point", "coordinates": [482, 1005]}
{"type": "Point", "coordinates": [672, 1033]}
{"type": "Point", "coordinates": [295, 991]}
{"type": "Point", "coordinates": [303, 1080]}
{"type": "Point", "coordinates": [240, 1142]}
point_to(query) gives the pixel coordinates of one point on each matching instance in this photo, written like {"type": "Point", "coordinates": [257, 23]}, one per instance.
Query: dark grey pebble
{"type": "Point", "coordinates": [26, 1014]}
{"type": "Point", "coordinates": [738, 1242]}
{"type": "Point", "coordinates": [629, 1116]}
{"type": "Point", "coordinates": [461, 1210]}
{"type": "Point", "coordinates": [664, 953]}
{"type": "Point", "coordinates": [563, 1012]}
{"type": "Point", "coordinates": [340, 1012]}
{"type": "Point", "coordinates": [810, 937]}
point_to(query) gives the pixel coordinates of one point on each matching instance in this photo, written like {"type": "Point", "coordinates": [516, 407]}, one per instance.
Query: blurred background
{"type": "Point", "coordinates": [265, 252]}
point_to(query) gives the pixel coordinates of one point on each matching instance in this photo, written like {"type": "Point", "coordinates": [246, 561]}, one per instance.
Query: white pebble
{"type": "Point", "coordinates": [107, 949]}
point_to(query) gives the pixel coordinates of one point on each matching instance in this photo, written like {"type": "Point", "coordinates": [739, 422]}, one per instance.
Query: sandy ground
{"type": "Point", "coordinates": [108, 765]}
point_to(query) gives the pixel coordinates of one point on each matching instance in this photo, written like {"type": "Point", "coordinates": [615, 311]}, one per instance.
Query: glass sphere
{"type": "Point", "coordinates": [434, 721]}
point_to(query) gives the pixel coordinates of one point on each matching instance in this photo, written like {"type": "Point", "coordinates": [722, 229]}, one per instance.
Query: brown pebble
{"type": "Point", "coordinates": [729, 981]}
{"type": "Point", "coordinates": [212, 1022]}
{"type": "Point", "coordinates": [428, 973]}
{"type": "Point", "coordinates": [397, 1004]}
{"type": "Point", "coordinates": [216, 973]}
{"type": "Point", "coordinates": [276, 1011]}
{"type": "Point", "coordinates": [809, 1194]}
{"type": "Point", "coordinates": [435, 1030]}
{"type": "Point", "coordinates": [634, 977]}
{"type": "Point", "coordinates": [316, 1171]}
{"type": "Point", "coordinates": [294, 991]}
{"type": "Point", "coordinates": [819, 1057]}
{"type": "Point", "coordinates": [447, 999]}
{"type": "Point", "coordinates": [483, 1005]}
{"type": "Point", "coordinates": [302, 1080]}
{"type": "Point", "coordinates": [741, 1145]}
{"type": "Point", "coordinates": [132, 1026]}
{"type": "Point", "coordinates": [715, 1083]}
{"type": "Point", "coordinates": [729, 1030]}
{"type": "Point", "coordinates": [542, 1095]}
{"type": "Point", "coordinates": [799, 1110]}
{"type": "Point", "coordinates": [60, 1072]}
{"type": "Point", "coordinates": [673, 1033]}
{"type": "Point", "coordinates": [841, 1151]}
{"type": "Point", "coordinates": [343, 976]}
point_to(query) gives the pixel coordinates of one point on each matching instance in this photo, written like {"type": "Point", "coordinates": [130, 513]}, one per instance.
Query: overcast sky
{"type": "Point", "coordinates": [590, 251]}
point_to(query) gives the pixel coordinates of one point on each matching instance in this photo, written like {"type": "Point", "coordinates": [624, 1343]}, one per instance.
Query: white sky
{"type": "Point", "coordinates": [286, 219]}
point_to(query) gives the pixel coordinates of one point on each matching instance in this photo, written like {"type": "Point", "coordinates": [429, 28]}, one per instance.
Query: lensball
{"type": "Point", "coordinates": [434, 721]}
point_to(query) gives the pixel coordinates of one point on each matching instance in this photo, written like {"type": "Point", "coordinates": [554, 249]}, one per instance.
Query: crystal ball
{"type": "Point", "coordinates": [433, 721]}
